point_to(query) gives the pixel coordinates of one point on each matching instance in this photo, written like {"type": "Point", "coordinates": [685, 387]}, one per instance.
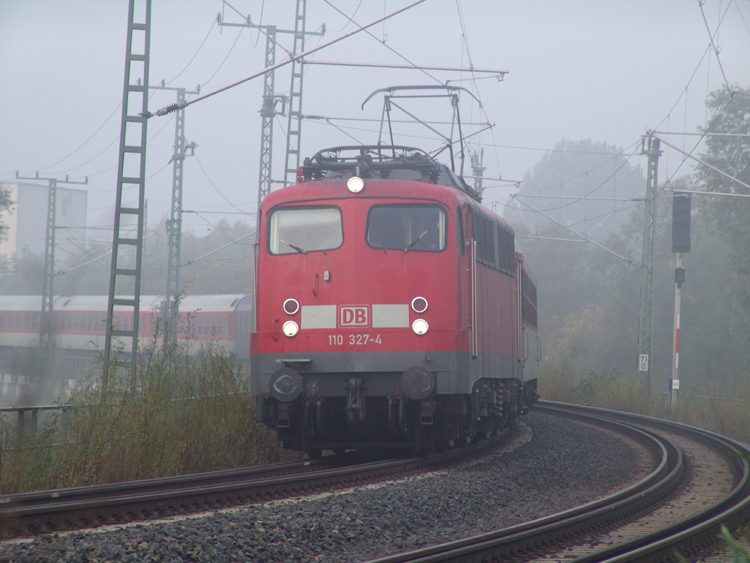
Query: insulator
{"type": "Point", "coordinates": [171, 108]}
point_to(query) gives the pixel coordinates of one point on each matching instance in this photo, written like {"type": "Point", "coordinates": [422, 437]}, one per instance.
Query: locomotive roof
{"type": "Point", "coordinates": [382, 162]}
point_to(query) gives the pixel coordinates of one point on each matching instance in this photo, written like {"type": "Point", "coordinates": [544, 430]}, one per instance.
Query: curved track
{"type": "Point", "coordinates": [545, 538]}
{"type": "Point", "coordinates": [83, 507]}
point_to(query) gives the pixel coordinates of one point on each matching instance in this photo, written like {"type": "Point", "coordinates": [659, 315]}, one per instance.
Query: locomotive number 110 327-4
{"type": "Point", "coordinates": [353, 339]}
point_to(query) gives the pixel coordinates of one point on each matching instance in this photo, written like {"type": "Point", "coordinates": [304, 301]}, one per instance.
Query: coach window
{"type": "Point", "coordinates": [304, 229]}
{"type": "Point", "coordinates": [460, 231]}
{"type": "Point", "coordinates": [415, 228]}
{"type": "Point", "coordinates": [2, 320]}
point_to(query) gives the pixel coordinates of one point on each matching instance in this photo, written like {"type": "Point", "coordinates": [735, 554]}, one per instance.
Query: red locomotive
{"type": "Point", "coordinates": [391, 309]}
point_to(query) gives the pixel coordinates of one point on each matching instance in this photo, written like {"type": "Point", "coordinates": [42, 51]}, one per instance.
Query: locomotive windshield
{"type": "Point", "coordinates": [304, 229]}
{"type": "Point", "coordinates": [419, 228]}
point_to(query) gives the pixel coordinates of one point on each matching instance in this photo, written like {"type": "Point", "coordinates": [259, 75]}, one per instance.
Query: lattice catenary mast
{"type": "Point", "coordinates": [125, 273]}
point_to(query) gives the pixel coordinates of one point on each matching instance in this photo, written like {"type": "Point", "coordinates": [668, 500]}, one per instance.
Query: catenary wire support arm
{"type": "Point", "coordinates": [500, 73]}
{"type": "Point", "coordinates": [717, 194]}
{"type": "Point", "coordinates": [46, 328]}
{"type": "Point", "coordinates": [171, 108]}
{"type": "Point", "coordinates": [706, 164]}
{"type": "Point", "coordinates": [583, 237]}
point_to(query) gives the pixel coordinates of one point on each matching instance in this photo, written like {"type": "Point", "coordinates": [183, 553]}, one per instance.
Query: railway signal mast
{"type": "Point", "coordinates": [680, 245]}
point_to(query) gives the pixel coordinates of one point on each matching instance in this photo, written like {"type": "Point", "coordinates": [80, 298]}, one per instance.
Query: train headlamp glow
{"type": "Point", "coordinates": [290, 328]}
{"type": "Point", "coordinates": [420, 327]}
{"type": "Point", "coordinates": [355, 184]}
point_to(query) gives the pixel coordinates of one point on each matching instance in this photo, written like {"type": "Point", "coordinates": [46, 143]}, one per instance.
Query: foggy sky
{"type": "Point", "coordinates": [579, 69]}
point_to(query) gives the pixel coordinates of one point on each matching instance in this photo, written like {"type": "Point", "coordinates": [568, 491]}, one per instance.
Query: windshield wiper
{"type": "Point", "coordinates": [415, 241]}
{"type": "Point", "coordinates": [297, 248]}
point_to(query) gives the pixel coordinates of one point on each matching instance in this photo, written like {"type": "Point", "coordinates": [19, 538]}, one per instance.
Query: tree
{"type": "Point", "coordinates": [730, 217]}
{"type": "Point", "coordinates": [588, 298]}
{"type": "Point", "coordinates": [578, 169]}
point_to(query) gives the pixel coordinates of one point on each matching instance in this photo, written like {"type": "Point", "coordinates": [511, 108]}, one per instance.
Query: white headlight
{"type": "Point", "coordinates": [420, 327]}
{"type": "Point", "coordinates": [355, 184]}
{"type": "Point", "coordinates": [290, 328]}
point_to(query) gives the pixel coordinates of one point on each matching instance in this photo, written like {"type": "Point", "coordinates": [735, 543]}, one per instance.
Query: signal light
{"type": "Point", "coordinates": [419, 305]}
{"type": "Point", "coordinates": [291, 306]}
{"type": "Point", "coordinates": [680, 222]}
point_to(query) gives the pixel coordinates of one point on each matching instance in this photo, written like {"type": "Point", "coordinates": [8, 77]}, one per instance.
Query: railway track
{"type": "Point", "coordinates": [648, 521]}
{"type": "Point", "coordinates": [85, 507]}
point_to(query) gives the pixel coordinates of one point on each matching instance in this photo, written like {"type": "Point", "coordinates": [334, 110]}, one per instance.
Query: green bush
{"type": "Point", "coordinates": [179, 413]}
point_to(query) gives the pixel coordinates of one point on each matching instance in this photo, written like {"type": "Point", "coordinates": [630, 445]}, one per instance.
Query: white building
{"type": "Point", "coordinates": [27, 221]}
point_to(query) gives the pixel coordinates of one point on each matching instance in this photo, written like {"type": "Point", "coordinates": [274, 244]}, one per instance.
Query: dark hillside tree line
{"type": "Point", "coordinates": [589, 299]}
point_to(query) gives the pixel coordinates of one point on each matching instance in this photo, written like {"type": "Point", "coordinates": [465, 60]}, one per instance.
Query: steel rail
{"type": "Point", "coordinates": [81, 507]}
{"type": "Point", "coordinates": [697, 535]}
{"type": "Point", "coordinates": [531, 539]}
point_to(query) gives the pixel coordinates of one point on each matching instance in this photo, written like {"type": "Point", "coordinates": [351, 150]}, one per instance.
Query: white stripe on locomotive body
{"type": "Point", "coordinates": [390, 316]}
{"type": "Point", "coordinates": [327, 316]}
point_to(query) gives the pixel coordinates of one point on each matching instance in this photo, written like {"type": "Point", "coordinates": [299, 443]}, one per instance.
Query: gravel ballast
{"type": "Point", "coordinates": [563, 465]}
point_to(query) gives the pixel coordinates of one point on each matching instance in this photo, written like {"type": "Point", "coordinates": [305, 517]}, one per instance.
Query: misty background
{"type": "Point", "coordinates": [586, 80]}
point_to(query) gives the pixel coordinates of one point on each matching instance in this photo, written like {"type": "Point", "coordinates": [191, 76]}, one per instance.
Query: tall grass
{"type": "Point", "coordinates": [719, 406]}
{"type": "Point", "coordinates": [178, 413]}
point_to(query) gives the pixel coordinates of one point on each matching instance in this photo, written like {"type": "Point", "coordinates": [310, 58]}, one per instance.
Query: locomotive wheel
{"type": "Point", "coordinates": [315, 453]}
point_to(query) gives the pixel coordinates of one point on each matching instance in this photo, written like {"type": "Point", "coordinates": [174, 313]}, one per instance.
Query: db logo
{"type": "Point", "coordinates": [354, 315]}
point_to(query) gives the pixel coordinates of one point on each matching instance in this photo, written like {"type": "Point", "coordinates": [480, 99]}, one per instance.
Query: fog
{"type": "Point", "coordinates": [606, 71]}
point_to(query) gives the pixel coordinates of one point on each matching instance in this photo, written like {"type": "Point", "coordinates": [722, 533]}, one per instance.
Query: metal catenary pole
{"type": "Point", "coordinates": [127, 246]}
{"type": "Point", "coordinates": [649, 147]}
{"type": "Point", "coordinates": [270, 102]}
{"type": "Point", "coordinates": [294, 121]}
{"type": "Point", "coordinates": [171, 305]}
{"type": "Point", "coordinates": [46, 340]}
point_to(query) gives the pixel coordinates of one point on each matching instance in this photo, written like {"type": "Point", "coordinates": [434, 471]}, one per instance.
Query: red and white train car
{"type": "Point", "coordinates": [392, 309]}
{"type": "Point", "coordinates": [79, 321]}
